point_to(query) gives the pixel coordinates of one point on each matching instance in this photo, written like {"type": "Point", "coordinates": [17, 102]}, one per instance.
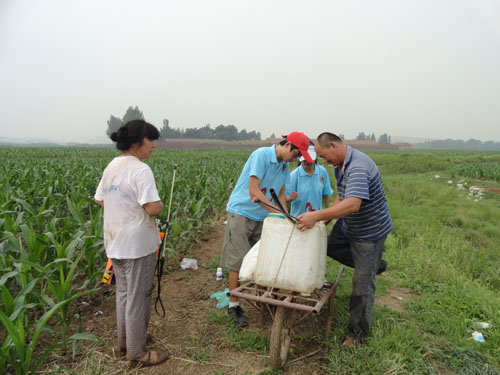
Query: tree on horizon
{"type": "Point", "coordinates": [384, 139]}
{"type": "Point", "coordinates": [114, 124]}
{"type": "Point", "coordinates": [224, 132]}
{"type": "Point", "coordinates": [133, 114]}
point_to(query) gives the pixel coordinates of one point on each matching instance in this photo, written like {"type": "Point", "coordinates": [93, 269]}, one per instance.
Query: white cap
{"type": "Point", "coordinates": [311, 152]}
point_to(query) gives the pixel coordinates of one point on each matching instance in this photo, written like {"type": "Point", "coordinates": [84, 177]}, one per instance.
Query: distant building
{"type": "Point", "coordinates": [403, 145]}
{"type": "Point", "coordinates": [369, 145]}
{"type": "Point", "coordinates": [273, 140]}
{"type": "Point", "coordinates": [358, 143]}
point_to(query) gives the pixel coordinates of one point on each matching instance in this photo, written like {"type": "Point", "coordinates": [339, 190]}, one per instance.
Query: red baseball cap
{"type": "Point", "coordinates": [301, 141]}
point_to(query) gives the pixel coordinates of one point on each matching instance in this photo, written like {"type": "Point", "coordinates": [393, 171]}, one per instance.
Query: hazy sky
{"type": "Point", "coordinates": [422, 68]}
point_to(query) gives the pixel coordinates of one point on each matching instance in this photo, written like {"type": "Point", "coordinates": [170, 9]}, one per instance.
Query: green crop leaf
{"type": "Point", "coordinates": [87, 337]}
{"type": "Point", "coordinates": [7, 276]}
{"type": "Point", "coordinates": [8, 300]}
{"type": "Point", "coordinates": [14, 334]}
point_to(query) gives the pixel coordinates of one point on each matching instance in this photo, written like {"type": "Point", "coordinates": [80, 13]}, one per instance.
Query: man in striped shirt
{"type": "Point", "coordinates": [357, 238]}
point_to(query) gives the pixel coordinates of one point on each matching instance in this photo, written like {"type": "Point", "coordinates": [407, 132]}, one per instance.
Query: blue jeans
{"type": "Point", "coordinates": [365, 258]}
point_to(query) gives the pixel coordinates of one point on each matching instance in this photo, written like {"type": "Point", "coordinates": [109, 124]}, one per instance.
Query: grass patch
{"type": "Point", "coordinates": [246, 340]}
{"type": "Point", "coordinates": [213, 264]}
{"type": "Point", "coordinates": [218, 317]}
{"type": "Point", "coordinates": [201, 351]}
{"type": "Point", "coordinates": [444, 248]}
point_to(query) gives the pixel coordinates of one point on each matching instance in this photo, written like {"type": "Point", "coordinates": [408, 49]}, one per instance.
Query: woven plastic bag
{"type": "Point", "coordinates": [249, 263]}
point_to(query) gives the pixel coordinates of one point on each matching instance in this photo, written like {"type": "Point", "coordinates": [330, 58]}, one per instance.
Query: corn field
{"type": "Point", "coordinates": [484, 171]}
{"type": "Point", "coordinates": [51, 248]}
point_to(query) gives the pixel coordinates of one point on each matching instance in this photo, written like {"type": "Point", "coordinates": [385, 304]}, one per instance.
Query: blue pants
{"type": "Point", "coordinates": [365, 258]}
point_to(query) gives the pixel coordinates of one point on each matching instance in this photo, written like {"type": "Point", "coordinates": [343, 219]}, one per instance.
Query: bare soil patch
{"type": "Point", "coordinates": [394, 299]}
{"type": "Point", "coordinates": [494, 190]}
{"type": "Point", "coordinates": [187, 330]}
{"type": "Point", "coordinates": [197, 342]}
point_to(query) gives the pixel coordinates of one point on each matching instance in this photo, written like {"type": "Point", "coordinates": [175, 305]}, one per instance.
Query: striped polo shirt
{"type": "Point", "coordinates": [359, 177]}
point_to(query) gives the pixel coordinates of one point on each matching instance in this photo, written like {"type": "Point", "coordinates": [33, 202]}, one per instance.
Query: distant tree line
{"type": "Point", "coordinates": [224, 132]}
{"type": "Point", "coordinates": [114, 123]}
{"type": "Point", "coordinates": [384, 139]}
{"type": "Point", "coordinates": [458, 144]}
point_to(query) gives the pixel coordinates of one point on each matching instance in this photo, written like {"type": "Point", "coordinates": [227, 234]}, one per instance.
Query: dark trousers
{"type": "Point", "coordinates": [365, 258]}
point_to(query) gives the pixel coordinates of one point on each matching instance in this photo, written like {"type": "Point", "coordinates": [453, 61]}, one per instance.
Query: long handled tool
{"type": "Point", "coordinates": [163, 255]}
{"type": "Point", "coordinates": [293, 219]}
{"type": "Point", "coordinates": [276, 199]}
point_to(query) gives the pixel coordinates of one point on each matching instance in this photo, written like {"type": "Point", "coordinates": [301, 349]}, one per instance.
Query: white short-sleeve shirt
{"type": "Point", "coordinates": [126, 185]}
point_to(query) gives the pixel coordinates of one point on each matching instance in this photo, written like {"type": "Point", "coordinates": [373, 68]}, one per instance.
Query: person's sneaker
{"type": "Point", "coordinates": [382, 267]}
{"type": "Point", "coordinates": [237, 316]}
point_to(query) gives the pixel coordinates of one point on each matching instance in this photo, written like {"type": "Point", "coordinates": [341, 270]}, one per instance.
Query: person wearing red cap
{"type": "Point", "coordinates": [265, 169]}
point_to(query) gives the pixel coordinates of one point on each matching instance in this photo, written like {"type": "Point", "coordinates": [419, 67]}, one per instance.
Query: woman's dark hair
{"type": "Point", "coordinates": [134, 131]}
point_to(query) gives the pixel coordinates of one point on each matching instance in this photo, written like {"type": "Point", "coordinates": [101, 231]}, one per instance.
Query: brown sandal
{"type": "Point", "coordinates": [161, 356]}
{"type": "Point", "coordinates": [149, 340]}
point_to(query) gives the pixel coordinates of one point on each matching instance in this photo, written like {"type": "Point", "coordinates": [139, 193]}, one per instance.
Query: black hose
{"type": "Point", "coordinates": [160, 263]}
{"type": "Point", "coordinates": [275, 197]}
{"type": "Point", "coordinates": [293, 219]}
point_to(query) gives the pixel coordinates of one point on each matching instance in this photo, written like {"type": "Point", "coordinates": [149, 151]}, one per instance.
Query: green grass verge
{"type": "Point", "coordinates": [444, 249]}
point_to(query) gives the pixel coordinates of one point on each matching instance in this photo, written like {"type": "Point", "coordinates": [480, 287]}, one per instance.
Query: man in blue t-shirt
{"type": "Point", "coordinates": [358, 237]}
{"type": "Point", "coordinates": [265, 169]}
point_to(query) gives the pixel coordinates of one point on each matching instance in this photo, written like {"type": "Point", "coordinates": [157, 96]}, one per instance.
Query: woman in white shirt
{"type": "Point", "coordinates": [128, 194]}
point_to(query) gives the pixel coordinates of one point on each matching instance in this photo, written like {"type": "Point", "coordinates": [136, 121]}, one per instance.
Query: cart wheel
{"type": "Point", "coordinates": [281, 336]}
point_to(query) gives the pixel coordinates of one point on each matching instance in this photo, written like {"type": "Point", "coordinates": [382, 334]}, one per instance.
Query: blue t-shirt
{"type": "Point", "coordinates": [360, 178]}
{"type": "Point", "coordinates": [264, 165]}
{"type": "Point", "coordinates": [310, 189]}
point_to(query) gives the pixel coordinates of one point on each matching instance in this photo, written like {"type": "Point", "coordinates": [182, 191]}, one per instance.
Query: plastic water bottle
{"type": "Point", "coordinates": [478, 336]}
{"type": "Point", "coordinates": [218, 274]}
{"type": "Point", "coordinates": [482, 325]}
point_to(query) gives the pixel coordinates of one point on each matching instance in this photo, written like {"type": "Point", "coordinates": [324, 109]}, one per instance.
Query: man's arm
{"type": "Point", "coordinates": [100, 203]}
{"type": "Point", "coordinates": [255, 193]}
{"type": "Point", "coordinates": [153, 208]}
{"type": "Point", "coordinates": [336, 201]}
{"type": "Point", "coordinates": [339, 209]}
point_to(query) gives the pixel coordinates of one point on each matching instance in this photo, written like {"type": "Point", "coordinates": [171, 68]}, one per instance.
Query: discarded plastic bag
{"type": "Point", "coordinates": [249, 263]}
{"type": "Point", "coordinates": [478, 336]}
{"type": "Point", "coordinates": [189, 263]}
{"type": "Point", "coordinates": [222, 298]}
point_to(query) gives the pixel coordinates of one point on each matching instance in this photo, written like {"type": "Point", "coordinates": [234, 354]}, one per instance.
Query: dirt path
{"type": "Point", "coordinates": [198, 335]}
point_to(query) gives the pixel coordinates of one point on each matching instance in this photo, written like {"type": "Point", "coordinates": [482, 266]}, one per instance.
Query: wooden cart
{"type": "Point", "coordinates": [287, 309]}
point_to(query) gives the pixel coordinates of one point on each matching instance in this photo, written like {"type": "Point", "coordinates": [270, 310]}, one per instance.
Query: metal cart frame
{"type": "Point", "coordinates": [283, 307]}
